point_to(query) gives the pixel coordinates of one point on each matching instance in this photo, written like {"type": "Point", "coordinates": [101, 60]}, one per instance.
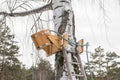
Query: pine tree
{"type": "Point", "coordinates": [10, 66]}
{"type": "Point", "coordinates": [44, 70]}
{"type": "Point", "coordinates": [103, 65]}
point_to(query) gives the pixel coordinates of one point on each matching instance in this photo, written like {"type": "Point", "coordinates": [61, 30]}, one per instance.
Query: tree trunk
{"type": "Point", "coordinates": [64, 23]}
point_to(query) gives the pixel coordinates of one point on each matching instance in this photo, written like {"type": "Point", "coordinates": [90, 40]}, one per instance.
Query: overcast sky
{"type": "Point", "coordinates": [97, 27]}
{"type": "Point", "coordinates": [92, 24]}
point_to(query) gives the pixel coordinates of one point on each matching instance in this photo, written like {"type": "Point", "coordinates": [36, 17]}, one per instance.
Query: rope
{"type": "Point", "coordinates": [69, 41]}
{"type": "Point", "coordinates": [74, 43]}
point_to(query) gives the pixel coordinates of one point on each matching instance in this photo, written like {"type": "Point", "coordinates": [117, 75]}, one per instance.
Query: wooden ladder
{"type": "Point", "coordinates": [82, 74]}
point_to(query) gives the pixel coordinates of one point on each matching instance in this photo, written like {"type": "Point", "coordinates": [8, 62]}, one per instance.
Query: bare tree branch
{"type": "Point", "coordinates": [25, 13]}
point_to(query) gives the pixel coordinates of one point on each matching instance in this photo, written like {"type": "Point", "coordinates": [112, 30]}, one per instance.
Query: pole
{"type": "Point", "coordinates": [87, 44]}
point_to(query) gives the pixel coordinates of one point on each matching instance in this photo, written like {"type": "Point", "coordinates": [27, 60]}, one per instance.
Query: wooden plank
{"type": "Point", "coordinates": [40, 39]}
{"type": "Point", "coordinates": [50, 43]}
{"type": "Point", "coordinates": [80, 47]}
{"type": "Point", "coordinates": [81, 67]}
{"type": "Point", "coordinates": [67, 64]}
{"type": "Point", "coordinates": [51, 49]}
{"type": "Point", "coordinates": [56, 40]}
{"type": "Point", "coordinates": [65, 42]}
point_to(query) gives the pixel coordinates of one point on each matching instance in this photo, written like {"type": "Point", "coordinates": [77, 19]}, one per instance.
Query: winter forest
{"type": "Point", "coordinates": [59, 40]}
